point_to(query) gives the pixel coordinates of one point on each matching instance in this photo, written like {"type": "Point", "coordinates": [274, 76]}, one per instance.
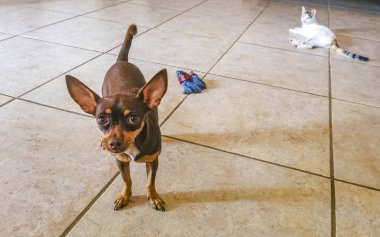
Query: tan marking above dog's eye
{"type": "Point", "coordinates": [108, 111]}
{"type": "Point", "coordinates": [126, 112]}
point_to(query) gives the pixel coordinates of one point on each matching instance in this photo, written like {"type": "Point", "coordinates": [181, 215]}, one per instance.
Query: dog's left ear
{"type": "Point", "coordinates": [155, 89]}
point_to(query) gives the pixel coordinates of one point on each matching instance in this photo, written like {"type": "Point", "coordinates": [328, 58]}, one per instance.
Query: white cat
{"type": "Point", "coordinates": [314, 35]}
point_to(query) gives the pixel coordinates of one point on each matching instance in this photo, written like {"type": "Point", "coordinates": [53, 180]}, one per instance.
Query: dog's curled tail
{"type": "Point", "coordinates": [123, 54]}
{"type": "Point", "coordinates": [349, 54]}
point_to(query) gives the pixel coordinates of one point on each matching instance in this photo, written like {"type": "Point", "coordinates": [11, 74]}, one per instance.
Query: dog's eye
{"type": "Point", "coordinates": [103, 120]}
{"type": "Point", "coordinates": [133, 119]}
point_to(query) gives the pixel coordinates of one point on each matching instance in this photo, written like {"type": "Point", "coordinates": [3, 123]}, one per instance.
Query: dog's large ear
{"type": "Point", "coordinates": [84, 96]}
{"type": "Point", "coordinates": [303, 10]}
{"type": "Point", "coordinates": [155, 89]}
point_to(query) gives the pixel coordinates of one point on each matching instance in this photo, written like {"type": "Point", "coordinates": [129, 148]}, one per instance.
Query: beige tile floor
{"type": "Point", "coordinates": [284, 142]}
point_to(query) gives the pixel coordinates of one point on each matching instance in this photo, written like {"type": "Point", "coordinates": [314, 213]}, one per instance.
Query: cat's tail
{"type": "Point", "coordinates": [349, 54]}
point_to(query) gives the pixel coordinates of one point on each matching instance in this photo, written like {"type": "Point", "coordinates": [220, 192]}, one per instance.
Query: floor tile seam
{"type": "Point", "coordinates": [357, 103]}
{"type": "Point", "coordinates": [48, 10]}
{"type": "Point", "coordinates": [171, 18]}
{"type": "Point", "coordinates": [147, 5]}
{"type": "Point", "coordinates": [115, 21]}
{"type": "Point", "coordinates": [58, 76]}
{"type": "Point", "coordinates": [351, 8]}
{"type": "Point", "coordinates": [8, 95]}
{"type": "Point", "coordinates": [173, 111]}
{"type": "Point", "coordinates": [7, 102]}
{"type": "Point", "coordinates": [331, 141]}
{"type": "Point", "coordinates": [168, 30]}
{"type": "Point", "coordinates": [247, 157]}
{"type": "Point", "coordinates": [352, 36]}
{"type": "Point", "coordinates": [89, 205]}
{"type": "Point", "coordinates": [152, 28]}
{"type": "Point", "coordinates": [13, 36]}
{"type": "Point", "coordinates": [287, 50]}
{"type": "Point", "coordinates": [350, 60]}
{"type": "Point", "coordinates": [66, 19]}
{"type": "Point", "coordinates": [163, 64]}
{"type": "Point", "coordinates": [271, 86]}
{"type": "Point", "coordinates": [55, 108]}
{"type": "Point", "coordinates": [358, 185]}
{"type": "Point", "coordinates": [298, 1]}
{"type": "Point", "coordinates": [356, 37]}
{"type": "Point", "coordinates": [58, 11]}
{"type": "Point", "coordinates": [57, 43]}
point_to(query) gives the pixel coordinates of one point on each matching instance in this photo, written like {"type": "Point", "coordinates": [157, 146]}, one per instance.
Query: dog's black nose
{"type": "Point", "coordinates": [115, 144]}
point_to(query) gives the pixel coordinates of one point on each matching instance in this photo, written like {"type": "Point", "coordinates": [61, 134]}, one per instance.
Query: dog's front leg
{"type": "Point", "coordinates": [155, 201]}
{"type": "Point", "coordinates": [126, 193]}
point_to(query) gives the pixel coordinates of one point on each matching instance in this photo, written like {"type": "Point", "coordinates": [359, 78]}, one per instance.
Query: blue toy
{"type": "Point", "coordinates": [191, 82]}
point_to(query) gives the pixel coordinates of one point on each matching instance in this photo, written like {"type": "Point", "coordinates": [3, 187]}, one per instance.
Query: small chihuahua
{"type": "Point", "coordinates": [127, 114]}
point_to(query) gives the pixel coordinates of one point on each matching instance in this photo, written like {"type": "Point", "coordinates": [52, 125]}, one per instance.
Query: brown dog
{"type": "Point", "coordinates": [127, 114]}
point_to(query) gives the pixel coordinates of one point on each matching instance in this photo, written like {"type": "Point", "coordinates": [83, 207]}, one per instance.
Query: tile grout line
{"type": "Point", "coordinates": [359, 185]}
{"type": "Point", "coordinates": [172, 112]}
{"type": "Point", "coordinates": [84, 211]}
{"type": "Point", "coordinates": [70, 18]}
{"type": "Point", "coordinates": [56, 43]}
{"type": "Point", "coordinates": [180, 13]}
{"type": "Point", "coordinates": [352, 8]}
{"type": "Point", "coordinates": [268, 85]}
{"type": "Point", "coordinates": [246, 156]}
{"type": "Point", "coordinates": [163, 64]}
{"type": "Point", "coordinates": [56, 108]}
{"type": "Point", "coordinates": [331, 145]}
{"type": "Point", "coordinates": [357, 103]}
{"type": "Point", "coordinates": [58, 76]}
{"type": "Point", "coordinates": [287, 50]}
{"type": "Point", "coordinates": [357, 37]}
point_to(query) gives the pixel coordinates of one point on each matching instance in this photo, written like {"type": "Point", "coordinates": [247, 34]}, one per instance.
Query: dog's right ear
{"type": "Point", "coordinates": [84, 96]}
{"type": "Point", "coordinates": [303, 10]}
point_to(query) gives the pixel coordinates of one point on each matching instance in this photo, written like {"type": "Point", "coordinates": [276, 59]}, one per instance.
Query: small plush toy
{"type": "Point", "coordinates": [191, 82]}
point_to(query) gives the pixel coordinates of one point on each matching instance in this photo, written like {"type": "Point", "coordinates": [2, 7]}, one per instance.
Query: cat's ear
{"type": "Point", "coordinates": [303, 10]}
{"type": "Point", "coordinates": [313, 12]}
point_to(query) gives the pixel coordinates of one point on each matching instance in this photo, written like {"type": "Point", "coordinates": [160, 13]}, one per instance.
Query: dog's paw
{"type": "Point", "coordinates": [121, 201]}
{"type": "Point", "coordinates": [156, 202]}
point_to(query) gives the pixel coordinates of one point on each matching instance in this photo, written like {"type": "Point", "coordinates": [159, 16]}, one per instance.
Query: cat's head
{"type": "Point", "coordinates": [308, 17]}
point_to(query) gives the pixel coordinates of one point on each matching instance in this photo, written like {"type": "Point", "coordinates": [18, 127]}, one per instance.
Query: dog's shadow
{"type": "Point", "coordinates": [282, 196]}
